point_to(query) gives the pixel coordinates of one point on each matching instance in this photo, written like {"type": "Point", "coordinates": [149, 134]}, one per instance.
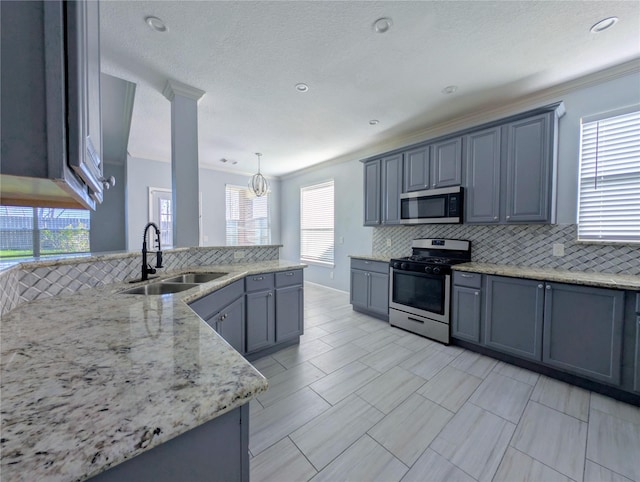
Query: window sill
{"type": "Point", "coordinates": [317, 263]}
{"type": "Point", "coordinates": [607, 242]}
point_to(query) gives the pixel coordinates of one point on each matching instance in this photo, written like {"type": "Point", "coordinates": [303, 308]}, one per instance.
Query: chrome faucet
{"type": "Point", "coordinates": [146, 267]}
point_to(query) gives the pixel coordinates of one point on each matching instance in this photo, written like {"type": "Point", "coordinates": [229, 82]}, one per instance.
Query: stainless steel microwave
{"type": "Point", "coordinates": [432, 206]}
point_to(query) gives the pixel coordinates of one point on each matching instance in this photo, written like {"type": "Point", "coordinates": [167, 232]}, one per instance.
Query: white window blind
{"type": "Point", "coordinates": [247, 217]}
{"type": "Point", "coordinates": [609, 197]}
{"type": "Point", "coordinates": [316, 223]}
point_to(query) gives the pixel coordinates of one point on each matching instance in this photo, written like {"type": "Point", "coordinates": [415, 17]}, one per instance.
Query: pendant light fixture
{"type": "Point", "coordinates": [258, 184]}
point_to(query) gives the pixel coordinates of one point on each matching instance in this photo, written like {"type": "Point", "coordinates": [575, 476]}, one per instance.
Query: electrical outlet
{"type": "Point", "coordinates": [388, 242]}
{"type": "Point", "coordinates": [341, 240]}
{"type": "Point", "coordinates": [206, 238]}
{"type": "Point", "coordinates": [558, 249]}
{"type": "Point", "coordinates": [330, 274]}
{"type": "Point", "coordinates": [238, 254]}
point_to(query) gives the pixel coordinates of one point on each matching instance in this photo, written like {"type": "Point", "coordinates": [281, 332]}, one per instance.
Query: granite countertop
{"type": "Point", "coordinates": [603, 280]}
{"type": "Point", "coordinates": [371, 257]}
{"type": "Point", "coordinates": [94, 378]}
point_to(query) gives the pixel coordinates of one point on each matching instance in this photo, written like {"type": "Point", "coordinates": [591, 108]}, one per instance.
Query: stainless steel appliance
{"type": "Point", "coordinates": [432, 206]}
{"type": "Point", "coordinates": [420, 286]}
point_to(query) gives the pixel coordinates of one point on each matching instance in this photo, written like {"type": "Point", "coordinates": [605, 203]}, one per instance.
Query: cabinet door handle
{"type": "Point", "coordinates": [548, 287]}
{"type": "Point", "coordinates": [222, 317]}
{"type": "Point", "coordinates": [290, 273]}
{"type": "Point", "coordinates": [495, 218]}
{"type": "Point", "coordinates": [540, 285]}
{"type": "Point", "coordinates": [367, 262]}
{"type": "Point", "coordinates": [508, 217]}
{"type": "Point", "coordinates": [466, 275]}
{"type": "Point", "coordinates": [477, 293]}
{"type": "Point", "coordinates": [259, 278]}
{"type": "Point", "coordinates": [270, 293]}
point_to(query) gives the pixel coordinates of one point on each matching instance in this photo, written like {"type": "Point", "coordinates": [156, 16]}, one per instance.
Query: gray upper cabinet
{"type": "Point", "coordinates": [372, 185]}
{"type": "Point", "coordinates": [583, 330]}
{"type": "Point", "coordinates": [391, 186]}
{"type": "Point", "coordinates": [382, 186]}
{"type": "Point", "coordinates": [482, 174]}
{"type": "Point", "coordinates": [51, 132]}
{"type": "Point", "coordinates": [416, 170]}
{"type": "Point", "coordinates": [514, 315]}
{"type": "Point", "coordinates": [509, 172]}
{"type": "Point", "coordinates": [528, 164]}
{"type": "Point", "coordinates": [447, 163]}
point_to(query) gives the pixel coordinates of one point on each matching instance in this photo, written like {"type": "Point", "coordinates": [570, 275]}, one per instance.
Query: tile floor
{"type": "Point", "coordinates": [359, 400]}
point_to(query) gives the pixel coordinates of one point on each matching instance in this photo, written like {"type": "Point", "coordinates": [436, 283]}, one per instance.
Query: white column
{"type": "Point", "coordinates": [184, 162]}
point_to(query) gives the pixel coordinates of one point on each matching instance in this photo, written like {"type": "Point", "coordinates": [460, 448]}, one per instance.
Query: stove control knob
{"type": "Point", "coordinates": [404, 266]}
{"type": "Point", "coordinates": [427, 269]}
{"type": "Point", "coordinates": [436, 270]}
{"type": "Point", "coordinates": [396, 265]}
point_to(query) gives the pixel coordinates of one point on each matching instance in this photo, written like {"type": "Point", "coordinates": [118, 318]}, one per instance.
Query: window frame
{"type": "Point", "coordinates": [585, 230]}
{"type": "Point", "coordinates": [246, 189]}
{"type": "Point", "coordinates": [311, 259]}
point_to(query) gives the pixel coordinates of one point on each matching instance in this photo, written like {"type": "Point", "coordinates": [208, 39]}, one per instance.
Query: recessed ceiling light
{"type": "Point", "coordinates": [374, 122]}
{"type": "Point", "coordinates": [604, 24]}
{"type": "Point", "coordinates": [382, 24]}
{"type": "Point", "coordinates": [155, 24]}
{"type": "Point", "coordinates": [449, 89]}
{"type": "Point", "coordinates": [302, 87]}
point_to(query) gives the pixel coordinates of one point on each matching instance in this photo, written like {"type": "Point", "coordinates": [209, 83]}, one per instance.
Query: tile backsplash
{"type": "Point", "coordinates": [22, 284]}
{"type": "Point", "coordinates": [523, 245]}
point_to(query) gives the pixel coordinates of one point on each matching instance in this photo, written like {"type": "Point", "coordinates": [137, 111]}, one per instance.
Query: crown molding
{"type": "Point", "coordinates": [483, 116]}
{"type": "Point", "coordinates": [173, 88]}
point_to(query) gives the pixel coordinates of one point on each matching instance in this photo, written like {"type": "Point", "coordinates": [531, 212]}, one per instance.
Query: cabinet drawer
{"type": "Point", "coordinates": [257, 282]}
{"type": "Point", "coordinates": [210, 304]}
{"type": "Point", "coordinates": [289, 278]}
{"type": "Point", "coordinates": [370, 265]}
{"type": "Point", "coordinates": [470, 280]}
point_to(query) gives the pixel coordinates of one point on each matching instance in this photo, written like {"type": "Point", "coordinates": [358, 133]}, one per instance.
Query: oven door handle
{"type": "Point", "coordinates": [415, 319]}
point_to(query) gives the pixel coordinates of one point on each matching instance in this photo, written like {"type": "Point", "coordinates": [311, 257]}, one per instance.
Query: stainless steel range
{"type": "Point", "coordinates": [420, 286]}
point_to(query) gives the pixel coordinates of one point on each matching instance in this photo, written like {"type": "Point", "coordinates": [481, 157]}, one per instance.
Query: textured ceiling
{"type": "Point", "coordinates": [247, 56]}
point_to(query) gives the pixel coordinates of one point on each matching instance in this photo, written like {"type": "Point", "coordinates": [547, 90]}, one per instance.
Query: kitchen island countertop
{"type": "Point", "coordinates": [94, 378]}
{"type": "Point", "coordinates": [602, 280]}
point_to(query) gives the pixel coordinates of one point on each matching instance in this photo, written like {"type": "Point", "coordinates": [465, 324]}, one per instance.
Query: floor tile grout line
{"type": "Point", "coordinates": [539, 461]}
{"type": "Point", "coordinates": [304, 455]}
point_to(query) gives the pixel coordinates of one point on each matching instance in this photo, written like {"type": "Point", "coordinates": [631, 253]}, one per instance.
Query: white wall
{"type": "Point", "coordinates": [348, 220]}
{"type": "Point", "coordinates": [145, 173]}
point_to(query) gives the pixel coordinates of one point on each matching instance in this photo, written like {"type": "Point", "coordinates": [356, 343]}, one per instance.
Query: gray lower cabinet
{"type": "Point", "coordinates": [372, 186]}
{"type": "Point", "coordinates": [636, 378]}
{"type": "Point", "coordinates": [447, 163]}
{"type": "Point", "coordinates": [230, 323]}
{"type": "Point", "coordinates": [465, 316]}
{"type": "Point", "coordinates": [216, 451]}
{"type": "Point", "coordinates": [289, 312]}
{"type": "Point", "coordinates": [416, 170]}
{"type": "Point", "coordinates": [583, 330]}
{"type": "Point", "coordinates": [369, 287]}
{"type": "Point", "coordinates": [482, 176]}
{"type": "Point", "coordinates": [224, 311]}
{"type": "Point", "coordinates": [514, 315]}
{"type": "Point", "coordinates": [261, 325]}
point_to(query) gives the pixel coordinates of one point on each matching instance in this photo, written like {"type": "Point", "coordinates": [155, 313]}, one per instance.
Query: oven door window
{"type": "Point", "coordinates": [421, 291]}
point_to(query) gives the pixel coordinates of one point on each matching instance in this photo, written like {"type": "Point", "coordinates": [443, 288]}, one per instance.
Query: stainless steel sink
{"type": "Point", "coordinates": [194, 278]}
{"type": "Point", "coordinates": [159, 289]}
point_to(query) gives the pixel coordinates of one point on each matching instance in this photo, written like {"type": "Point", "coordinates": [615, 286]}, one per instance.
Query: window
{"type": "Point", "coordinates": [160, 213]}
{"type": "Point", "coordinates": [609, 197]}
{"type": "Point", "coordinates": [29, 231]}
{"type": "Point", "coordinates": [247, 217]}
{"type": "Point", "coordinates": [316, 223]}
